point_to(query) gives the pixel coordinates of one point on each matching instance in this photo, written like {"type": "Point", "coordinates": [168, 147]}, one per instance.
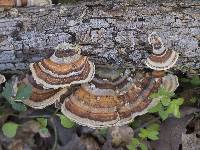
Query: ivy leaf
{"type": "Point", "coordinates": [66, 122]}
{"type": "Point", "coordinates": [43, 122]}
{"type": "Point", "coordinates": [9, 129]}
{"type": "Point", "coordinates": [24, 92]}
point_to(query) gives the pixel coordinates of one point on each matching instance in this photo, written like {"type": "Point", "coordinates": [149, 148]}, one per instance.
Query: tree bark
{"type": "Point", "coordinates": [110, 31]}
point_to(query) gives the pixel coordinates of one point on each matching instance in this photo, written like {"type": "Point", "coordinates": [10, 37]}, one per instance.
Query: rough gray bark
{"type": "Point", "coordinates": [115, 31]}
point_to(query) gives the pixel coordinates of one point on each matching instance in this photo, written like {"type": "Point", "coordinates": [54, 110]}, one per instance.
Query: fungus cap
{"type": "Point", "coordinates": [62, 69]}
{"type": "Point", "coordinates": [163, 61]}
{"type": "Point", "coordinates": [161, 58]}
{"type": "Point", "coordinates": [41, 98]}
{"type": "Point", "coordinates": [105, 102]}
{"type": "Point", "coordinates": [24, 3]}
{"type": "Point", "coordinates": [170, 82]}
{"type": "Point", "coordinates": [156, 42]}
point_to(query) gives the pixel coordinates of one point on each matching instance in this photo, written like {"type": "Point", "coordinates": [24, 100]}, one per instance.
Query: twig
{"type": "Point", "coordinates": [55, 134]}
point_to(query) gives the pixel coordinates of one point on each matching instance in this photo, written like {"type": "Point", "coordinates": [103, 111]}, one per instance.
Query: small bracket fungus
{"type": "Point", "coordinates": [40, 98]}
{"type": "Point", "coordinates": [64, 68]}
{"type": "Point", "coordinates": [2, 79]}
{"type": "Point", "coordinates": [24, 3]}
{"type": "Point", "coordinates": [111, 98]}
{"type": "Point", "coordinates": [161, 58]}
{"type": "Point", "coordinates": [170, 82]}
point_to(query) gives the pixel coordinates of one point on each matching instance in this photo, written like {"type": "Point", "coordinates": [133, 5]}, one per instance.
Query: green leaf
{"type": "Point", "coordinates": [178, 101]}
{"type": "Point", "coordinates": [24, 92]}
{"type": "Point", "coordinates": [148, 133]}
{"type": "Point", "coordinates": [7, 93]}
{"type": "Point", "coordinates": [154, 126]}
{"type": "Point", "coordinates": [44, 131]}
{"type": "Point", "coordinates": [18, 106]}
{"type": "Point", "coordinates": [66, 122]}
{"type": "Point", "coordinates": [174, 107]}
{"type": "Point", "coordinates": [153, 135]}
{"type": "Point", "coordinates": [143, 133]}
{"type": "Point", "coordinates": [131, 147]}
{"type": "Point", "coordinates": [9, 129]}
{"type": "Point", "coordinates": [164, 92]}
{"type": "Point", "coordinates": [103, 132]}
{"type": "Point", "coordinates": [165, 101]}
{"type": "Point", "coordinates": [134, 144]}
{"type": "Point", "coordinates": [156, 108]}
{"type": "Point", "coordinates": [7, 90]}
{"type": "Point", "coordinates": [43, 122]}
{"type": "Point", "coordinates": [143, 146]}
{"type": "Point", "coordinates": [163, 114]}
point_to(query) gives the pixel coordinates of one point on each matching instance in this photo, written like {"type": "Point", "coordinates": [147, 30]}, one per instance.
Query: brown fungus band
{"type": "Point", "coordinates": [161, 58]}
{"type": "Point", "coordinates": [112, 99]}
{"type": "Point", "coordinates": [24, 3]}
{"type": "Point", "coordinates": [40, 98]}
{"type": "Point", "coordinates": [64, 68]}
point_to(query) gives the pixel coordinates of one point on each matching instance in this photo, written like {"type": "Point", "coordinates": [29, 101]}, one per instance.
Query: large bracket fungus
{"type": "Point", "coordinates": [40, 97]}
{"type": "Point", "coordinates": [112, 99]}
{"type": "Point", "coordinates": [22, 3]}
{"type": "Point", "coordinates": [64, 68]}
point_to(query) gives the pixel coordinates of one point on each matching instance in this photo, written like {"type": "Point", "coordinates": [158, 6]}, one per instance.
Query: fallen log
{"type": "Point", "coordinates": [113, 31]}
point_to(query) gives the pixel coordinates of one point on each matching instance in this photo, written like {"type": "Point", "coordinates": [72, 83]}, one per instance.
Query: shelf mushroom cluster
{"type": "Point", "coordinates": [52, 77]}
{"type": "Point", "coordinates": [105, 97]}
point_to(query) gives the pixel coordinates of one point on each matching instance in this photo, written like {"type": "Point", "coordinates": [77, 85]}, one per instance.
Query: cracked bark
{"type": "Point", "coordinates": [108, 31]}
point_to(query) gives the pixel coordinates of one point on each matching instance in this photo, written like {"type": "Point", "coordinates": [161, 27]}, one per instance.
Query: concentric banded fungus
{"type": "Point", "coordinates": [111, 100]}
{"type": "Point", "coordinates": [161, 59]}
{"type": "Point", "coordinates": [64, 68]}
{"type": "Point", "coordinates": [2, 79]}
{"type": "Point", "coordinates": [170, 82]}
{"type": "Point", "coordinates": [23, 3]}
{"type": "Point", "coordinates": [40, 97]}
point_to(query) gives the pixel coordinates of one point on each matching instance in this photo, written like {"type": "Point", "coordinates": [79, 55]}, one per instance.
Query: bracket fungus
{"type": "Point", "coordinates": [170, 82]}
{"type": "Point", "coordinates": [24, 3]}
{"type": "Point", "coordinates": [40, 98]}
{"type": "Point", "coordinates": [112, 98]}
{"type": "Point", "coordinates": [2, 79]}
{"type": "Point", "coordinates": [161, 58]}
{"type": "Point", "coordinates": [64, 68]}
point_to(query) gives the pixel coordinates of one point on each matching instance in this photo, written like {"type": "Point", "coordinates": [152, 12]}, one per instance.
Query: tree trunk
{"type": "Point", "coordinates": [110, 31]}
